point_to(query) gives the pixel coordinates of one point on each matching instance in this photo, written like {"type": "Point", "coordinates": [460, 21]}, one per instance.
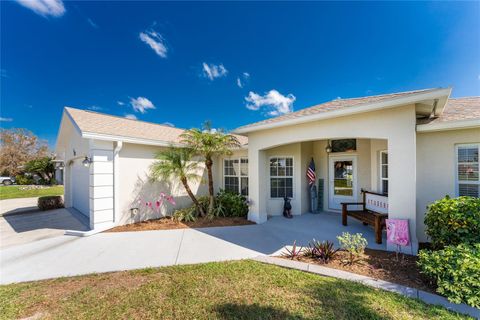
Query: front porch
{"type": "Point", "coordinates": [344, 166]}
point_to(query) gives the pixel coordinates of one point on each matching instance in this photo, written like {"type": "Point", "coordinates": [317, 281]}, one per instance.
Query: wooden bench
{"type": "Point", "coordinates": [374, 212]}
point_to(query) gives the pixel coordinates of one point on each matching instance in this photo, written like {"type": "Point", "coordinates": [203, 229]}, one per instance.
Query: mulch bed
{"type": "Point", "coordinates": [382, 265]}
{"type": "Point", "coordinates": [168, 223]}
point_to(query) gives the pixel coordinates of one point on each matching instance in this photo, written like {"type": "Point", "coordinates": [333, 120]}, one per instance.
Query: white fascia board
{"type": "Point", "coordinates": [390, 103]}
{"type": "Point", "coordinates": [108, 137]}
{"type": "Point", "coordinates": [451, 125]}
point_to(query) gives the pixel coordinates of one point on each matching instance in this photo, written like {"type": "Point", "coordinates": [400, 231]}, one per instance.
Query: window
{"type": "Point", "coordinates": [235, 173]}
{"type": "Point", "coordinates": [384, 172]}
{"type": "Point", "coordinates": [468, 183]}
{"type": "Point", "coordinates": [281, 177]}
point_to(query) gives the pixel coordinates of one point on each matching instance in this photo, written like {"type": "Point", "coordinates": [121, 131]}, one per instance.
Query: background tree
{"type": "Point", "coordinates": [43, 167]}
{"type": "Point", "coordinates": [177, 163]}
{"type": "Point", "coordinates": [209, 143]}
{"type": "Point", "coordinates": [17, 147]}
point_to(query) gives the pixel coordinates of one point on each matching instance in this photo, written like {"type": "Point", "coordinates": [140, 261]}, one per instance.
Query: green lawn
{"type": "Point", "coordinates": [11, 192]}
{"type": "Point", "coordinates": [228, 290]}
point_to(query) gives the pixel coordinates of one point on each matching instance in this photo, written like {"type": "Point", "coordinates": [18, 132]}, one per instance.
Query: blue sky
{"type": "Point", "coordinates": [231, 63]}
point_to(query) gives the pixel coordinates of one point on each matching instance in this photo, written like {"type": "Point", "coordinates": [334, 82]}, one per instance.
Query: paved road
{"type": "Point", "coordinates": [69, 255]}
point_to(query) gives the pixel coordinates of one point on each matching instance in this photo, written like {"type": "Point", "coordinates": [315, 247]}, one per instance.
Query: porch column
{"type": "Point", "coordinates": [402, 183]}
{"type": "Point", "coordinates": [257, 185]}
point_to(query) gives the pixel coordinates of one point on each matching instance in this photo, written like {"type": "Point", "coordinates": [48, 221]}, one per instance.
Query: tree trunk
{"type": "Point", "coordinates": [192, 196]}
{"type": "Point", "coordinates": [211, 192]}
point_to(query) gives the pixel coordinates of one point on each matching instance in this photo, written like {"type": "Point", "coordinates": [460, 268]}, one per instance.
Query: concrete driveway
{"type": "Point", "coordinates": [69, 255]}
{"type": "Point", "coordinates": [17, 205]}
{"type": "Point", "coordinates": [21, 228]}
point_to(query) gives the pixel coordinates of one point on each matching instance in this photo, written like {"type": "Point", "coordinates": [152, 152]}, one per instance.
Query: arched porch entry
{"type": "Point", "coordinates": [392, 131]}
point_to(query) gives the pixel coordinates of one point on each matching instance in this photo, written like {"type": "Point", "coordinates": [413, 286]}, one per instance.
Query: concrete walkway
{"type": "Point", "coordinates": [68, 255]}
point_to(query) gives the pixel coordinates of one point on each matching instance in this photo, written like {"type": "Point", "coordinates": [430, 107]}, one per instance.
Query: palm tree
{"type": "Point", "coordinates": [177, 163]}
{"type": "Point", "coordinates": [209, 143]}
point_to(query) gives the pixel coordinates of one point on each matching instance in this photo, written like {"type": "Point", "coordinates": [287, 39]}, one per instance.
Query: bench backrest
{"type": "Point", "coordinates": [376, 202]}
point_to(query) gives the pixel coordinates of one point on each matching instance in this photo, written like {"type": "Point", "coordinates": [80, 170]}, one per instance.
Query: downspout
{"type": "Point", "coordinates": [116, 181]}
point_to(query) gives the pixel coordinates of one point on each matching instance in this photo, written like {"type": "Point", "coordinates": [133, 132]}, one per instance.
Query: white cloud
{"type": "Point", "coordinates": [241, 81]}
{"type": "Point", "coordinates": [3, 73]}
{"type": "Point", "coordinates": [131, 116]}
{"type": "Point", "coordinates": [141, 104]}
{"type": "Point", "coordinates": [5, 119]}
{"type": "Point", "coordinates": [94, 108]}
{"type": "Point", "coordinates": [121, 103]}
{"type": "Point", "coordinates": [93, 24]}
{"type": "Point", "coordinates": [168, 124]}
{"type": "Point", "coordinates": [44, 8]}
{"type": "Point", "coordinates": [273, 102]}
{"type": "Point", "coordinates": [213, 71]}
{"type": "Point", "coordinates": [155, 41]}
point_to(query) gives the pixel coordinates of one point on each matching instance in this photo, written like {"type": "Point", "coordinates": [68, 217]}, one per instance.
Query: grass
{"type": "Point", "coordinates": [226, 290]}
{"type": "Point", "coordinates": [12, 192]}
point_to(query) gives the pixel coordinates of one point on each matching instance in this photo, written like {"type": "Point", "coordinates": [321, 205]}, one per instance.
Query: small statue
{"type": "Point", "coordinates": [287, 208]}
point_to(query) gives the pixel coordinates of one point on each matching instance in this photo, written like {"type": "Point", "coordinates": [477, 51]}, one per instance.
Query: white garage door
{"type": "Point", "coordinates": [80, 183]}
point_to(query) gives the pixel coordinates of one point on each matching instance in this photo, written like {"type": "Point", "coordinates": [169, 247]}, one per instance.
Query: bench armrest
{"type": "Point", "coordinates": [352, 203]}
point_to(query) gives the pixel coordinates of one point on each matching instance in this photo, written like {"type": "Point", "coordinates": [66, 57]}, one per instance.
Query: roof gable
{"type": "Point", "coordinates": [339, 107]}
{"type": "Point", "coordinates": [108, 127]}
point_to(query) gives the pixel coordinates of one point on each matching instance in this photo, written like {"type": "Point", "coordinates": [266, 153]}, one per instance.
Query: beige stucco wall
{"type": "Point", "coordinates": [135, 187]}
{"type": "Point", "coordinates": [436, 167]}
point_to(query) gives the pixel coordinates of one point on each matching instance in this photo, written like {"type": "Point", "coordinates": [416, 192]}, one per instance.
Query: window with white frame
{"type": "Point", "coordinates": [281, 177]}
{"type": "Point", "coordinates": [384, 172]}
{"type": "Point", "coordinates": [235, 175]}
{"type": "Point", "coordinates": [468, 183]}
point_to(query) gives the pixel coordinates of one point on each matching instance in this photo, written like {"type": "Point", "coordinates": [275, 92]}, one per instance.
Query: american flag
{"type": "Point", "coordinates": [311, 172]}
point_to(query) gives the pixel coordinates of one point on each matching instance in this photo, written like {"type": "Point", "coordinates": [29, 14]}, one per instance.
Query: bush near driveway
{"type": "Point", "coordinates": [225, 290]}
{"type": "Point", "coordinates": [451, 221]}
{"type": "Point", "coordinates": [12, 192]}
{"type": "Point", "coordinates": [456, 270]}
{"type": "Point", "coordinates": [50, 202]}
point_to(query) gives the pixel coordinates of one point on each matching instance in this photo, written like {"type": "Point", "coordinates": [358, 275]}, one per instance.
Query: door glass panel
{"type": "Point", "coordinates": [343, 178]}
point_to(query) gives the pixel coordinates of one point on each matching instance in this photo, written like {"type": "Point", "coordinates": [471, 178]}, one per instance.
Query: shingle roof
{"type": "Point", "coordinates": [457, 109]}
{"type": "Point", "coordinates": [336, 105]}
{"type": "Point", "coordinates": [99, 123]}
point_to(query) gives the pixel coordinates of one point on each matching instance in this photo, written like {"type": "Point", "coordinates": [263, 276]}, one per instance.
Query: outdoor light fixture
{"type": "Point", "coordinates": [328, 148]}
{"type": "Point", "coordinates": [87, 161]}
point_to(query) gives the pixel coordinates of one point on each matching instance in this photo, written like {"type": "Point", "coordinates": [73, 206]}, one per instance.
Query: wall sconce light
{"type": "Point", "coordinates": [86, 162]}
{"type": "Point", "coordinates": [328, 148]}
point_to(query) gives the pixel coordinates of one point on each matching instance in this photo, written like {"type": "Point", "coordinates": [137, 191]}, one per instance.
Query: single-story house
{"type": "Point", "coordinates": [416, 147]}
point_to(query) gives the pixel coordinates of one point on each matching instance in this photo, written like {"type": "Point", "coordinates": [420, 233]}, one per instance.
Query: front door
{"type": "Point", "coordinates": [342, 181]}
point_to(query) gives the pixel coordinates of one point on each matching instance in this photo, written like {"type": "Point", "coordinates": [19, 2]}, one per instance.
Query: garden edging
{"type": "Point", "coordinates": [426, 297]}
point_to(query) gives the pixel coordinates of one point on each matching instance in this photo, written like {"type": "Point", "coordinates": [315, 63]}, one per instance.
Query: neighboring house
{"type": "Point", "coordinates": [415, 146]}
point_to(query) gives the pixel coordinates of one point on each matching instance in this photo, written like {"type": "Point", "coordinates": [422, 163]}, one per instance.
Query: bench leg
{"type": "Point", "coordinates": [344, 214]}
{"type": "Point", "coordinates": [378, 230]}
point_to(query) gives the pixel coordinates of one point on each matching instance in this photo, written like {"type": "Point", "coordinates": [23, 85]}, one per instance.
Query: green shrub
{"type": "Point", "coordinates": [231, 204]}
{"type": "Point", "coordinates": [354, 244]}
{"type": "Point", "coordinates": [50, 202]}
{"type": "Point", "coordinates": [23, 179]}
{"type": "Point", "coordinates": [456, 271]}
{"type": "Point", "coordinates": [453, 221]}
{"type": "Point", "coordinates": [185, 215]}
